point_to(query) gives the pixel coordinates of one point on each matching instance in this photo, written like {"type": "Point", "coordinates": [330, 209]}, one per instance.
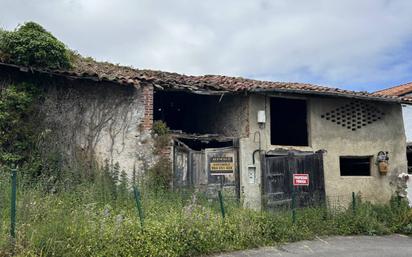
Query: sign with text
{"type": "Point", "coordinates": [301, 179]}
{"type": "Point", "coordinates": [221, 165]}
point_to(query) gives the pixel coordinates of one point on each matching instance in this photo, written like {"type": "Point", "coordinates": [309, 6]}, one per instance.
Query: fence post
{"type": "Point", "coordinates": [353, 203]}
{"type": "Point", "coordinates": [222, 207]}
{"type": "Point", "coordinates": [13, 202]}
{"type": "Point", "coordinates": [138, 205]}
{"type": "Point", "coordinates": [293, 206]}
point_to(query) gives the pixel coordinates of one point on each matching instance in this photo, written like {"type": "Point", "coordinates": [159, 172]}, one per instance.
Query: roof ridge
{"type": "Point", "coordinates": [392, 90]}
{"type": "Point", "coordinates": [91, 61]}
{"type": "Point", "coordinates": [401, 85]}
{"type": "Point", "coordinates": [124, 75]}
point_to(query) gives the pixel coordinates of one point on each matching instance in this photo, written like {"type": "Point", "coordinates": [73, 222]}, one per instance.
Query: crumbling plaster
{"type": "Point", "coordinates": [93, 121]}
{"type": "Point", "coordinates": [226, 116]}
{"type": "Point", "coordinates": [104, 123]}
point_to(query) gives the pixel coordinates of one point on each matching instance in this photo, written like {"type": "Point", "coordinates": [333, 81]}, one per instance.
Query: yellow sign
{"type": "Point", "coordinates": [219, 165]}
{"type": "Point", "coordinates": [222, 166]}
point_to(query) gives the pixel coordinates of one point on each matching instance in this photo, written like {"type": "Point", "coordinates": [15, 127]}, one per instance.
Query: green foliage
{"type": "Point", "coordinates": [161, 134]}
{"type": "Point", "coordinates": [17, 134]}
{"type": "Point", "coordinates": [160, 175]}
{"type": "Point", "coordinates": [114, 182]}
{"type": "Point", "coordinates": [160, 128]}
{"type": "Point", "coordinates": [82, 222]}
{"type": "Point", "coordinates": [31, 45]}
{"type": "Point", "coordinates": [3, 56]}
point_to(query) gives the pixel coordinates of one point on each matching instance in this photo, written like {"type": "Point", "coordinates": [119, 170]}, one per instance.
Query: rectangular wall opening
{"type": "Point", "coordinates": [190, 113]}
{"type": "Point", "coordinates": [355, 165]}
{"type": "Point", "coordinates": [409, 158]}
{"type": "Point", "coordinates": [198, 145]}
{"type": "Point", "coordinates": [288, 122]}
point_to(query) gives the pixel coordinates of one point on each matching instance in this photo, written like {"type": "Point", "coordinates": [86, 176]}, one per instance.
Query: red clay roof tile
{"type": "Point", "coordinates": [86, 68]}
{"type": "Point", "coordinates": [400, 90]}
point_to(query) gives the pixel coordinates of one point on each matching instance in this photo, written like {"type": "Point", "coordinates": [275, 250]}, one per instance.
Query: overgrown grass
{"type": "Point", "coordinates": [88, 220]}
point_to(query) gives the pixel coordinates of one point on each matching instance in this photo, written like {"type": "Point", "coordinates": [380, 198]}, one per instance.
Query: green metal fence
{"type": "Point", "coordinates": [16, 202]}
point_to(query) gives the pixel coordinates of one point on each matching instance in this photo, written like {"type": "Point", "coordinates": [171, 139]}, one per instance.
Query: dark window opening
{"type": "Point", "coordinates": [199, 145]}
{"type": "Point", "coordinates": [288, 122]}
{"type": "Point", "coordinates": [355, 166]}
{"type": "Point", "coordinates": [192, 113]}
{"type": "Point", "coordinates": [409, 158]}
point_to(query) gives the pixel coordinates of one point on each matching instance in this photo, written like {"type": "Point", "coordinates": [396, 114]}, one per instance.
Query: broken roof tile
{"type": "Point", "coordinates": [89, 69]}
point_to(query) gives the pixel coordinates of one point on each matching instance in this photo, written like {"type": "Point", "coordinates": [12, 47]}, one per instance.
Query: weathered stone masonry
{"type": "Point", "coordinates": [148, 106]}
{"type": "Point", "coordinates": [98, 120]}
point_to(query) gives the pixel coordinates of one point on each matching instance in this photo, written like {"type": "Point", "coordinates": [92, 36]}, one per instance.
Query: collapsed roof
{"type": "Point", "coordinates": [88, 69]}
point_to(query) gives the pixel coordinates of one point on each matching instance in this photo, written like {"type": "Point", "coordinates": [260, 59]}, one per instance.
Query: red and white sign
{"type": "Point", "coordinates": [301, 179]}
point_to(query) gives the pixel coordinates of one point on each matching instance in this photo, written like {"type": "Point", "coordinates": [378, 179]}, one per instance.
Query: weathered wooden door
{"type": "Point", "coordinates": [191, 169]}
{"type": "Point", "coordinates": [277, 178]}
{"type": "Point", "coordinates": [188, 168]}
{"type": "Point", "coordinates": [181, 170]}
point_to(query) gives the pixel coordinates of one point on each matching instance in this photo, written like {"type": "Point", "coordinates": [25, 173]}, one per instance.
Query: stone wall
{"type": "Point", "coordinates": [108, 123]}
{"type": "Point", "coordinates": [95, 120]}
{"type": "Point", "coordinates": [227, 116]}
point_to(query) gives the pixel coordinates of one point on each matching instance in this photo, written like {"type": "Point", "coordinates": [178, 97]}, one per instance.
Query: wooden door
{"type": "Point", "coordinates": [277, 177]}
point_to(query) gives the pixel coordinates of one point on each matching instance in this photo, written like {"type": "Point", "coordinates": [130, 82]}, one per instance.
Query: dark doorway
{"type": "Point", "coordinates": [288, 122]}
{"type": "Point", "coordinates": [199, 145]}
{"type": "Point", "coordinates": [278, 180]}
{"type": "Point", "coordinates": [409, 158]}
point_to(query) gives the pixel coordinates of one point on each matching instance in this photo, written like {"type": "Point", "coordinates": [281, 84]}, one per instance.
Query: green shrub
{"type": "Point", "coordinates": [17, 133]}
{"type": "Point", "coordinates": [161, 135]}
{"type": "Point", "coordinates": [3, 56]}
{"type": "Point", "coordinates": [160, 175]}
{"type": "Point", "coordinates": [31, 45]}
{"type": "Point", "coordinates": [80, 222]}
{"type": "Point", "coordinates": [160, 128]}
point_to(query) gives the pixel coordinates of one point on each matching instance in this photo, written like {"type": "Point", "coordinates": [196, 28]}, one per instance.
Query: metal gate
{"type": "Point", "coordinates": [277, 178]}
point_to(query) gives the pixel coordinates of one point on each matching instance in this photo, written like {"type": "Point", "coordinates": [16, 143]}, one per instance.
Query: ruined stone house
{"type": "Point", "coordinates": [244, 136]}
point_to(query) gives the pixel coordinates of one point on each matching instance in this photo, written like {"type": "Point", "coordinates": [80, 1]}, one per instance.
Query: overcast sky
{"type": "Point", "coordinates": [353, 44]}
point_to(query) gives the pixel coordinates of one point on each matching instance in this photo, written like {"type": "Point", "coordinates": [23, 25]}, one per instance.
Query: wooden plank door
{"type": "Point", "coordinates": [277, 179]}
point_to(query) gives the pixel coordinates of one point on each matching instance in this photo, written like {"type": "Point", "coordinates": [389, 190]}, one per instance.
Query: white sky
{"type": "Point", "coordinates": [355, 44]}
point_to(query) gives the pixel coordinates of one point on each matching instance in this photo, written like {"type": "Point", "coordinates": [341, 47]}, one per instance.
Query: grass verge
{"type": "Point", "coordinates": [88, 220]}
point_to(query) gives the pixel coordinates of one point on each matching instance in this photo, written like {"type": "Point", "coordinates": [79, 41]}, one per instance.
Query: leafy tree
{"type": "Point", "coordinates": [31, 45]}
